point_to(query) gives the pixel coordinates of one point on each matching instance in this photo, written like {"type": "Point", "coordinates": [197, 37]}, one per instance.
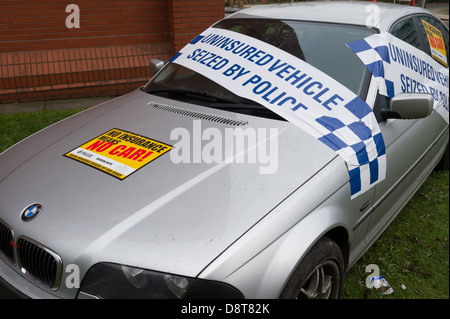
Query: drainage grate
{"type": "Point", "coordinates": [197, 115]}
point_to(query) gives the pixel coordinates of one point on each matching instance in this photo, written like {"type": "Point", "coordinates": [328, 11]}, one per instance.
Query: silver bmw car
{"type": "Point", "coordinates": [261, 161]}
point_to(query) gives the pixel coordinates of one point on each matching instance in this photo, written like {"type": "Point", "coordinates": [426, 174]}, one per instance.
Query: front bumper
{"type": "Point", "coordinates": [9, 292]}
{"type": "Point", "coordinates": [15, 286]}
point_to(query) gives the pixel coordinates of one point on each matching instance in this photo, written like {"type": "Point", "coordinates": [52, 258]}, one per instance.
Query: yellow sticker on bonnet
{"type": "Point", "coordinates": [119, 153]}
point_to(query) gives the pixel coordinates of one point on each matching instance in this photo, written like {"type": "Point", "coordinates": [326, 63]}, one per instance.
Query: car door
{"type": "Point", "coordinates": [412, 146]}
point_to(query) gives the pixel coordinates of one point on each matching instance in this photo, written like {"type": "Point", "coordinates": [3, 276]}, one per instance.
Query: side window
{"type": "Point", "coordinates": [406, 31]}
{"type": "Point", "coordinates": [436, 36]}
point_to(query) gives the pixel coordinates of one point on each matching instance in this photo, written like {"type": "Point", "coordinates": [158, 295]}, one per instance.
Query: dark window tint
{"type": "Point", "coordinates": [406, 31]}
{"type": "Point", "coordinates": [322, 45]}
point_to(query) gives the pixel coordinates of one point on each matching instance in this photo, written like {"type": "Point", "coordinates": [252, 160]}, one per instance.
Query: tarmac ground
{"type": "Point", "coordinates": [441, 10]}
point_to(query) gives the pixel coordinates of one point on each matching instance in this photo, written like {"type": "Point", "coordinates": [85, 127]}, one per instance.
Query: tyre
{"type": "Point", "coordinates": [319, 275]}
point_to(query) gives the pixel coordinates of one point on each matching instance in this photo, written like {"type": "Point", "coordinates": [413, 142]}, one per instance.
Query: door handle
{"type": "Point", "coordinates": [364, 206]}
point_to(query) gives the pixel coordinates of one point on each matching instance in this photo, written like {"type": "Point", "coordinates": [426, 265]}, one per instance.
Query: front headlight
{"type": "Point", "coordinates": [107, 280]}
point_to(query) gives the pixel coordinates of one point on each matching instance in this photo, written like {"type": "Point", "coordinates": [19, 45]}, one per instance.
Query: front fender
{"type": "Point", "coordinates": [262, 260]}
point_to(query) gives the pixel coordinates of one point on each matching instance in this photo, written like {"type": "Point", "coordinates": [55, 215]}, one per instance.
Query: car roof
{"type": "Point", "coordinates": [345, 12]}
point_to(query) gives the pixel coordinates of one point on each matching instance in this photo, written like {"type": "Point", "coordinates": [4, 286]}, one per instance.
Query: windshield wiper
{"type": "Point", "coordinates": [236, 105]}
{"type": "Point", "coordinates": [249, 109]}
{"type": "Point", "coordinates": [205, 96]}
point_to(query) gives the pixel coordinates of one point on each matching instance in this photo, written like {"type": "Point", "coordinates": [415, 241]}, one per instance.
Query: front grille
{"type": "Point", "coordinates": [6, 237]}
{"type": "Point", "coordinates": [39, 263]}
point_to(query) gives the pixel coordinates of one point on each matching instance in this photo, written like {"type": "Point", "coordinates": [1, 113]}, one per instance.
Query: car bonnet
{"type": "Point", "coordinates": [166, 216]}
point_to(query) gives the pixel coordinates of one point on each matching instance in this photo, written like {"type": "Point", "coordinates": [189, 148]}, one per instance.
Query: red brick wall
{"type": "Point", "coordinates": [40, 24]}
{"type": "Point", "coordinates": [42, 59]}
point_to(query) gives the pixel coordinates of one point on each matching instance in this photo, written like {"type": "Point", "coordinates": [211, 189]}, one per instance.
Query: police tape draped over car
{"type": "Point", "coordinates": [260, 162]}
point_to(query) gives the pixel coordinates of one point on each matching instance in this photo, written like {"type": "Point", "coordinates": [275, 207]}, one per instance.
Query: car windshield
{"type": "Point", "coordinates": [323, 45]}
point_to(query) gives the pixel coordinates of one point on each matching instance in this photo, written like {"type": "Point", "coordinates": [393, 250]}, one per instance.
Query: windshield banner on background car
{"type": "Point", "coordinates": [298, 92]}
{"type": "Point", "coordinates": [401, 68]}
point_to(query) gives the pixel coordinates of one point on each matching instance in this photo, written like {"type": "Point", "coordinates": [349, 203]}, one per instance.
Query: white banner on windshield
{"type": "Point", "coordinates": [298, 92]}
{"type": "Point", "coordinates": [400, 67]}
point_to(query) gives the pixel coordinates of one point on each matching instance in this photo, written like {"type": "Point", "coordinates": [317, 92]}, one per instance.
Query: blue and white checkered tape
{"type": "Point", "coordinates": [350, 130]}
{"type": "Point", "coordinates": [390, 60]}
{"type": "Point", "coordinates": [367, 151]}
{"type": "Point", "coordinates": [400, 67]}
{"type": "Point", "coordinates": [375, 56]}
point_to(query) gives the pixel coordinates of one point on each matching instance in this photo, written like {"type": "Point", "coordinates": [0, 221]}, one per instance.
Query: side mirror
{"type": "Point", "coordinates": [156, 65]}
{"type": "Point", "coordinates": [409, 106]}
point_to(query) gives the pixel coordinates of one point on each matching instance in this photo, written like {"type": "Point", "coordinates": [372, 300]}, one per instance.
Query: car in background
{"type": "Point", "coordinates": [70, 227]}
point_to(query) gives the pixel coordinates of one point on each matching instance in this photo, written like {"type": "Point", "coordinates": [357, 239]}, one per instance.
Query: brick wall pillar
{"type": "Point", "coordinates": [189, 18]}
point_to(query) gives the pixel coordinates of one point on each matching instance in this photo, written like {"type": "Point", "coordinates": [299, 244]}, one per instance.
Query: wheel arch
{"type": "Point", "coordinates": [341, 237]}
{"type": "Point", "coordinates": [337, 233]}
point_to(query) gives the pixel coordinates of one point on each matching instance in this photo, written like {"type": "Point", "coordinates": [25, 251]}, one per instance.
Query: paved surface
{"type": "Point", "coordinates": [439, 9]}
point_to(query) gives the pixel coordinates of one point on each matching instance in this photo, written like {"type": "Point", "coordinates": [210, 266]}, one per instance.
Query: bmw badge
{"type": "Point", "coordinates": [31, 212]}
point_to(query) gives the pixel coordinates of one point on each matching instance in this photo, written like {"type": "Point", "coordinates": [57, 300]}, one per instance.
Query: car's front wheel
{"type": "Point", "coordinates": [319, 275]}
